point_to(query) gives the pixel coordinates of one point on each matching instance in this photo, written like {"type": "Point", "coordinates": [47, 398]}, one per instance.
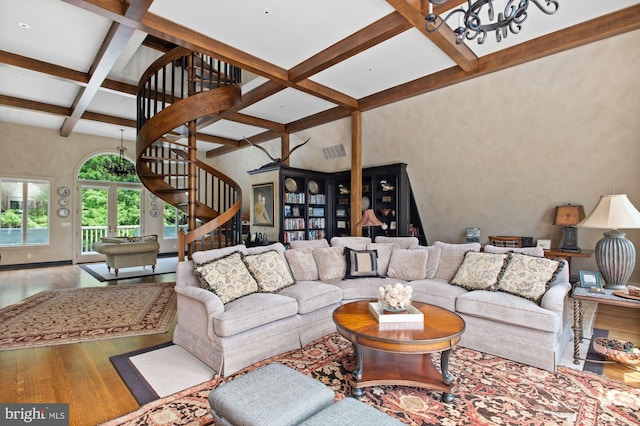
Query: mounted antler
{"type": "Point", "coordinates": [276, 160]}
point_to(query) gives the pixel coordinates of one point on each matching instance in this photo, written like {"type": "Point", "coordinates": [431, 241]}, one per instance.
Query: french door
{"type": "Point", "coordinates": [107, 210]}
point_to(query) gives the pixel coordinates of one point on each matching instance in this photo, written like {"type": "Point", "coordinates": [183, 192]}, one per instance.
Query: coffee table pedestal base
{"type": "Point", "coordinates": [377, 368]}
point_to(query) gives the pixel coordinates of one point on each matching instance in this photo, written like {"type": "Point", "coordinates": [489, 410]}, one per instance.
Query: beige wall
{"type": "Point", "coordinates": [32, 152]}
{"type": "Point", "coordinates": [498, 152]}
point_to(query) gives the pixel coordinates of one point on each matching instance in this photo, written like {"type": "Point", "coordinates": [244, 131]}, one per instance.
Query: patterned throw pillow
{"type": "Point", "coordinates": [270, 271]}
{"type": "Point", "coordinates": [408, 264]}
{"type": "Point", "coordinates": [479, 271]}
{"type": "Point", "coordinates": [361, 263]}
{"type": "Point", "coordinates": [528, 276]}
{"type": "Point", "coordinates": [227, 277]}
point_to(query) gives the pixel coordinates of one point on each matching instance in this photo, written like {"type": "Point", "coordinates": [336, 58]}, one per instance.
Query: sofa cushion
{"type": "Point", "coordinates": [228, 277]}
{"type": "Point", "coordinates": [384, 255]}
{"type": "Point", "coordinates": [296, 244]}
{"type": "Point", "coordinates": [528, 276]}
{"type": "Point", "coordinates": [312, 295]}
{"type": "Point", "coordinates": [408, 264]}
{"type": "Point", "coordinates": [401, 242]}
{"type": "Point", "coordinates": [533, 251]}
{"type": "Point", "coordinates": [480, 271]}
{"type": "Point", "coordinates": [362, 288]}
{"type": "Point", "coordinates": [252, 311]}
{"type": "Point", "coordinates": [277, 247]}
{"type": "Point", "coordinates": [200, 257]}
{"type": "Point", "coordinates": [270, 271]}
{"type": "Point", "coordinates": [451, 258]}
{"type": "Point", "coordinates": [508, 309]}
{"type": "Point", "coordinates": [361, 263]}
{"type": "Point", "coordinates": [354, 243]}
{"type": "Point", "coordinates": [302, 264]}
{"type": "Point", "coordinates": [437, 292]}
{"type": "Point", "coordinates": [432, 261]}
{"type": "Point", "coordinates": [331, 263]}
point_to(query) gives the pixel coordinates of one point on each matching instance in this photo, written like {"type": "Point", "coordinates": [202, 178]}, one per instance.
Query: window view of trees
{"type": "Point", "coordinates": [24, 212]}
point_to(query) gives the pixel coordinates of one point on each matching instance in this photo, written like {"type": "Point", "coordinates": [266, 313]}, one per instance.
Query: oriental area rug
{"type": "Point", "coordinates": [488, 391]}
{"type": "Point", "coordinates": [56, 317]}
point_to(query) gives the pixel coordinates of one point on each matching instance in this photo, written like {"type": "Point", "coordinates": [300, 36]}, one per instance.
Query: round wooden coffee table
{"type": "Point", "coordinates": [400, 353]}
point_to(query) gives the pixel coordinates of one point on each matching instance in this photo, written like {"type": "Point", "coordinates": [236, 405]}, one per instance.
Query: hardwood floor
{"type": "Point", "coordinates": [82, 375]}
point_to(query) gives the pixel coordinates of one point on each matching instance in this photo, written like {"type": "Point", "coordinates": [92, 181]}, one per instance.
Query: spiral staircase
{"type": "Point", "coordinates": [177, 92]}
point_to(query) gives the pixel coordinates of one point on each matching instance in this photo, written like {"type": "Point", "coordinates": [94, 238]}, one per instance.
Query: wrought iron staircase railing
{"type": "Point", "coordinates": [179, 90]}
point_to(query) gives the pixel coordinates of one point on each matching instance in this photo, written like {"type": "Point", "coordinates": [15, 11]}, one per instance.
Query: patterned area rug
{"type": "Point", "coordinates": [489, 391]}
{"type": "Point", "coordinates": [56, 317]}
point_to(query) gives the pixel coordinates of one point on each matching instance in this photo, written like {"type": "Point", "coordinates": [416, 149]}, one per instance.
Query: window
{"type": "Point", "coordinates": [24, 212]}
{"type": "Point", "coordinates": [174, 219]}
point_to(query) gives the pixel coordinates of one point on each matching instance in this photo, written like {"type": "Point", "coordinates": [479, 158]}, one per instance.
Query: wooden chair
{"type": "Point", "coordinates": [503, 241]}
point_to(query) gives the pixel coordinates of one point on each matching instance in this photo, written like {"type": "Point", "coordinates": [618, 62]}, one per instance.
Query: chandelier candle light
{"type": "Point", "coordinates": [615, 254]}
{"type": "Point", "coordinates": [470, 22]}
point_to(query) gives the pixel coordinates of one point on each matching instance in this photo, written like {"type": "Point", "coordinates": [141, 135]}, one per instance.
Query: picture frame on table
{"type": "Point", "coordinates": [544, 244]}
{"type": "Point", "coordinates": [590, 279]}
{"type": "Point", "coordinates": [262, 199]}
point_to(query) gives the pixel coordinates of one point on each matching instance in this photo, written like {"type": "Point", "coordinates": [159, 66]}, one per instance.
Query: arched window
{"type": "Point", "coordinates": [108, 168]}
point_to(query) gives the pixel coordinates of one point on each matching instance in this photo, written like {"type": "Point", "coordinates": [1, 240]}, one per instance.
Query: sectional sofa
{"type": "Point", "coordinates": [239, 305]}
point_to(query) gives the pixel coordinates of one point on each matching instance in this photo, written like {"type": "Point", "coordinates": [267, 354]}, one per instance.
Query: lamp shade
{"type": "Point", "coordinates": [613, 212]}
{"type": "Point", "coordinates": [369, 219]}
{"type": "Point", "coordinates": [569, 215]}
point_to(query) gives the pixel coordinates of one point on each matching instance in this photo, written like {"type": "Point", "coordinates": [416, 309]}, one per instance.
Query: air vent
{"type": "Point", "coordinates": [334, 151]}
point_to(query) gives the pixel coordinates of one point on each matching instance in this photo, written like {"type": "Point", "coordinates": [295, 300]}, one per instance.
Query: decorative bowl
{"type": "Point", "coordinates": [618, 350]}
{"type": "Point", "coordinates": [395, 298]}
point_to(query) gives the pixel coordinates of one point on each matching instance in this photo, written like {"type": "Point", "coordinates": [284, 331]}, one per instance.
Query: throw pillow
{"type": "Point", "coordinates": [479, 271]}
{"type": "Point", "coordinates": [302, 264]}
{"type": "Point", "coordinates": [432, 261]}
{"type": "Point", "coordinates": [384, 255]}
{"type": "Point", "coordinates": [331, 263]}
{"type": "Point", "coordinates": [528, 276]}
{"type": "Point", "coordinates": [354, 243]}
{"type": "Point", "coordinates": [361, 263]}
{"type": "Point", "coordinates": [533, 251]}
{"type": "Point", "coordinates": [227, 277]}
{"type": "Point", "coordinates": [451, 258]}
{"type": "Point", "coordinates": [408, 265]}
{"type": "Point", "coordinates": [270, 271]}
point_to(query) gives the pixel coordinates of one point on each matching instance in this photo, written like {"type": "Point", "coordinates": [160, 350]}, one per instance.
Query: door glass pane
{"type": "Point", "coordinates": [128, 212]}
{"type": "Point", "coordinates": [95, 216]}
{"type": "Point", "coordinates": [37, 213]}
{"type": "Point", "coordinates": [174, 219]}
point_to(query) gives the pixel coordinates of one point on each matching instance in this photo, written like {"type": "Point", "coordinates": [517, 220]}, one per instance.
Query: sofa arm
{"type": "Point", "coordinates": [196, 310]}
{"type": "Point", "coordinates": [554, 299]}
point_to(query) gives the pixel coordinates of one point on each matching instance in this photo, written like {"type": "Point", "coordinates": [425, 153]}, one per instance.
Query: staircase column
{"type": "Point", "coordinates": [193, 173]}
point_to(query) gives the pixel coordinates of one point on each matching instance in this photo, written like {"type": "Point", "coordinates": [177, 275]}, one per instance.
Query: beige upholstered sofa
{"type": "Point", "coordinates": [127, 252]}
{"type": "Point", "coordinates": [230, 336]}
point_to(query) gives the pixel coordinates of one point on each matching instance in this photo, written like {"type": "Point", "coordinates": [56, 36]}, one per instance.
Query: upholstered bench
{"type": "Point", "coordinates": [123, 252]}
{"type": "Point", "coordinates": [276, 395]}
{"type": "Point", "coordinates": [271, 395]}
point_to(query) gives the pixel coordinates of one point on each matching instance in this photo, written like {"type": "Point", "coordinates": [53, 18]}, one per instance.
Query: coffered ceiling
{"type": "Point", "coordinates": [73, 65]}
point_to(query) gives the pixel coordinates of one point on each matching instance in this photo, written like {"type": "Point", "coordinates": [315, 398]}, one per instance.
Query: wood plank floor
{"type": "Point", "coordinates": [82, 375]}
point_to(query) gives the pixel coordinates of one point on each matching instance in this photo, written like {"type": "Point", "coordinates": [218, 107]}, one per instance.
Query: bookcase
{"type": "Point", "coordinates": [311, 205]}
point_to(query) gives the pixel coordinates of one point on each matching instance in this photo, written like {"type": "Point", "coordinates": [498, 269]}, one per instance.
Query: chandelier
{"type": "Point", "coordinates": [123, 167]}
{"type": "Point", "coordinates": [471, 27]}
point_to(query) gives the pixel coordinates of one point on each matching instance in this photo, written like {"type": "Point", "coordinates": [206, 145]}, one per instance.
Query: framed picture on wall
{"type": "Point", "coordinates": [262, 204]}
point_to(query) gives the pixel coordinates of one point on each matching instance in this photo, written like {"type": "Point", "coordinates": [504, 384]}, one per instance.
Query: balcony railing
{"type": "Point", "coordinates": [92, 234]}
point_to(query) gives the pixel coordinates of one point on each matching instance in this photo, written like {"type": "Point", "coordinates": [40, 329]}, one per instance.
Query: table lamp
{"type": "Point", "coordinates": [368, 220]}
{"type": "Point", "coordinates": [615, 254]}
{"type": "Point", "coordinates": [569, 216]}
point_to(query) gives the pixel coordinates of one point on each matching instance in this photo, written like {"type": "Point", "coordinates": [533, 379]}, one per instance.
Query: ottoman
{"type": "Point", "coordinates": [350, 411]}
{"type": "Point", "coordinates": [271, 395]}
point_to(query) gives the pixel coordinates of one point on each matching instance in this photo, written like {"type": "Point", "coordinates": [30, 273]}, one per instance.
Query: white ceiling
{"type": "Point", "coordinates": [280, 33]}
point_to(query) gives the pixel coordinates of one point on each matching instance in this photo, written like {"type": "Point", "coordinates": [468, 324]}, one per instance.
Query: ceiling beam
{"type": "Point", "coordinates": [587, 32]}
{"type": "Point", "coordinates": [111, 49]}
{"type": "Point", "coordinates": [34, 106]}
{"type": "Point", "coordinates": [444, 38]}
{"type": "Point", "coordinates": [381, 30]}
{"type": "Point", "coordinates": [43, 67]}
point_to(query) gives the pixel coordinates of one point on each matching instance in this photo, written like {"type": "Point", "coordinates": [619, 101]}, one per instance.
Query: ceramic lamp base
{"type": "Point", "coordinates": [616, 258]}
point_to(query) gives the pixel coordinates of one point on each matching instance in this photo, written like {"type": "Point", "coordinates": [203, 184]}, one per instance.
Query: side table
{"type": "Point", "coordinates": [566, 255]}
{"type": "Point", "coordinates": [607, 298]}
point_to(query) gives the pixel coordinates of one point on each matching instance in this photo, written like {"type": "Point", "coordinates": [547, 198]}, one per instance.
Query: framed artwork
{"type": "Point", "coordinates": [590, 279]}
{"type": "Point", "coordinates": [263, 204]}
{"type": "Point", "coordinates": [544, 244]}
{"type": "Point", "coordinates": [295, 211]}
{"type": "Point", "coordinates": [342, 224]}
{"type": "Point", "coordinates": [341, 213]}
